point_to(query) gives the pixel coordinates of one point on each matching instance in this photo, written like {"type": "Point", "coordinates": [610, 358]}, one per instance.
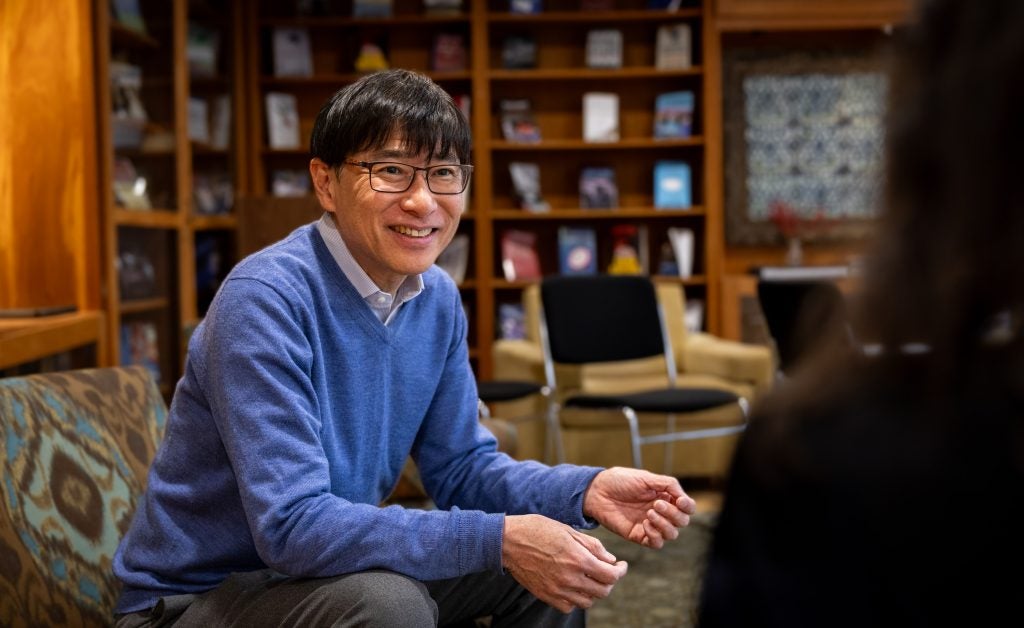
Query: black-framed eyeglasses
{"type": "Point", "coordinates": [392, 176]}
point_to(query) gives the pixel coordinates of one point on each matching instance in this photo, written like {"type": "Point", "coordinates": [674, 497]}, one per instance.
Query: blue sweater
{"type": "Point", "coordinates": [292, 422]}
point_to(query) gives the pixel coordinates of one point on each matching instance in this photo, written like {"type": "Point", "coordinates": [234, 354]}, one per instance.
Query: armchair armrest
{"type": "Point", "coordinates": [710, 355]}
{"type": "Point", "coordinates": [518, 360]}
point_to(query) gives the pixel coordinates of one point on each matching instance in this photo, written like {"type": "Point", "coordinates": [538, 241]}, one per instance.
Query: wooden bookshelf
{"type": "Point", "coordinates": [27, 339]}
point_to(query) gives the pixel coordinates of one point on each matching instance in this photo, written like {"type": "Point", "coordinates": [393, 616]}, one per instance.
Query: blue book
{"type": "Point", "coordinates": [577, 251]}
{"type": "Point", "coordinates": [672, 185]}
{"type": "Point", "coordinates": [525, 6]}
{"type": "Point", "coordinates": [673, 114]}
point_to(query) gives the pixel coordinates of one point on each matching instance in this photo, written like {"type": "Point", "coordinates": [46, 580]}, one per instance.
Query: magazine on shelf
{"type": "Point", "coordinates": [198, 120]}
{"type": "Point", "coordinates": [604, 48]}
{"type": "Point", "coordinates": [629, 250]}
{"type": "Point", "coordinates": [290, 183]}
{"type": "Point", "coordinates": [682, 247]}
{"type": "Point", "coordinates": [525, 6]}
{"type": "Point", "coordinates": [672, 185]}
{"type": "Point", "coordinates": [455, 257]}
{"type": "Point", "coordinates": [372, 8]}
{"type": "Point", "coordinates": [220, 122]}
{"type": "Point", "coordinates": [128, 115]}
{"type": "Point", "coordinates": [519, 260]}
{"type": "Point", "coordinates": [129, 14]}
{"type": "Point", "coordinates": [600, 117]}
{"type": "Point", "coordinates": [139, 346]}
{"type": "Point", "coordinates": [448, 53]}
{"type": "Point", "coordinates": [442, 7]}
{"type": "Point", "coordinates": [512, 321]}
{"type": "Point", "coordinates": [673, 115]}
{"type": "Point", "coordinates": [673, 49]}
{"type": "Point", "coordinates": [519, 52]}
{"type": "Point", "coordinates": [598, 189]}
{"type": "Point", "coordinates": [282, 120]}
{"type": "Point", "coordinates": [518, 123]}
{"type": "Point", "coordinates": [136, 274]}
{"type": "Point", "coordinates": [526, 185]}
{"type": "Point", "coordinates": [464, 103]}
{"type": "Point", "coordinates": [577, 251]}
{"type": "Point", "coordinates": [202, 50]}
{"type": "Point", "coordinates": [293, 55]}
{"type": "Point", "coordinates": [372, 56]}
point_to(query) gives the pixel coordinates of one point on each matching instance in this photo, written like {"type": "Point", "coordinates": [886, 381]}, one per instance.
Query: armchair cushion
{"type": "Point", "coordinates": [75, 448]}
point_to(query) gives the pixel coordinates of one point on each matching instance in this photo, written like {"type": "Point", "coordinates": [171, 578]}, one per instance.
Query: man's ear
{"type": "Point", "coordinates": [321, 175]}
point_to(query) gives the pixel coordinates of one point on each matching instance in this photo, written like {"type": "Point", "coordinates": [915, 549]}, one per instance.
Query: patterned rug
{"type": "Point", "coordinates": [662, 587]}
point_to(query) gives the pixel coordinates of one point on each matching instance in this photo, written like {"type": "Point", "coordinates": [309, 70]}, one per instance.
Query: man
{"type": "Point", "coordinates": [324, 361]}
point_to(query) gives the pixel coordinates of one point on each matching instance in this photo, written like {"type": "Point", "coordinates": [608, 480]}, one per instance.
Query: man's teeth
{"type": "Point", "coordinates": [416, 233]}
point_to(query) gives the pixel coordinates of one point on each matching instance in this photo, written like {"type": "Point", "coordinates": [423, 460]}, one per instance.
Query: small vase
{"type": "Point", "coordinates": [794, 252]}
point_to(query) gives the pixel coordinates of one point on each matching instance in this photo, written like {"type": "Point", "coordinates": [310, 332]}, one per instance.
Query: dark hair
{"type": "Point", "coordinates": [363, 115]}
{"type": "Point", "coordinates": [949, 253]}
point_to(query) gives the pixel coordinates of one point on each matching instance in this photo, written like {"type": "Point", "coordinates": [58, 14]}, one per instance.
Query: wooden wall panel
{"type": "Point", "coordinates": [49, 234]}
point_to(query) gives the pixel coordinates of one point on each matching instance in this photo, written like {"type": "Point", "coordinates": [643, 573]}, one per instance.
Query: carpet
{"type": "Point", "coordinates": [662, 587]}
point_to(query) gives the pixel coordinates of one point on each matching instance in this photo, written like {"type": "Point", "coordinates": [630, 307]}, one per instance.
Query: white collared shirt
{"type": "Point", "coordinates": [383, 304]}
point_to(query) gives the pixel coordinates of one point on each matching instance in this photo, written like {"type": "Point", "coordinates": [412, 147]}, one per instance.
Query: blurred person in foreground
{"type": "Point", "coordinates": [327, 359]}
{"type": "Point", "coordinates": [884, 485]}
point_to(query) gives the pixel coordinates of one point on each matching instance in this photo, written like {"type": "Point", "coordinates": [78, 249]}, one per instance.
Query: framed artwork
{"type": "Point", "coordinates": [804, 130]}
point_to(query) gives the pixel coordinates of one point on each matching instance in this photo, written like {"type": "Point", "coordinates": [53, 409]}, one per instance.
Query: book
{"type": "Point", "coordinates": [673, 48]}
{"type": "Point", "coordinates": [512, 321]}
{"type": "Point", "coordinates": [518, 123]}
{"type": "Point", "coordinates": [442, 7]}
{"type": "Point", "coordinates": [455, 257]}
{"type": "Point", "coordinates": [139, 346]}
{"type": "Point", "coordinates": [600, 117]}
{"type": "Point", "coordinates": [598, 189]}
{"type": "Point", "coordinates": [198, 120]}
{"type": "Point", "coordinates": [128, 115]}
{"type": "Point", "coordinates": [682, 247]}
{"type": "Point", "coordinates": [525, 6]}
{"type": "Point", "coordinates": [673, 114]}
{"type": "Point", "coordinates": [577, 251]}
{"type": "Point", "coordinates": [448, 53]}
{"type": "Point", "coordinates": [519, 260]}
{"type": "Point", "coordinates": [604, 48]}
{"type": "Point", "coordinates": [290, 183]}
{"type": "Point", "coordinates": [220, 122]}
{"type": "Point", "coordinates": [202, 50]}
{"type": "Point", "coordinates": [629, 250]}
{"type": "Point", "coordinates": [519, 52]}
{"type": "Point", "coordinates": [282, 120]}
{"type": "Point", "coordinates": [371, 8]}
{"type": "Point", "coordinates": [526, 185]}
{"type": "Point", "coordinates": [293, 54]}
{"type": "Point", "coordinates": [672, 185]}
{"type": "Point", "coordinates": [129, 14]}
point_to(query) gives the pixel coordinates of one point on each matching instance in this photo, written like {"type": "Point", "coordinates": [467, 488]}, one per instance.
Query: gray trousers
{"type": "Point", "coordinates": [374, 598]}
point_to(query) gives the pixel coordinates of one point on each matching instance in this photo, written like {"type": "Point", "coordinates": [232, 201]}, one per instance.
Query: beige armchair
{"type": "Point", "coordinates": [594, 438]}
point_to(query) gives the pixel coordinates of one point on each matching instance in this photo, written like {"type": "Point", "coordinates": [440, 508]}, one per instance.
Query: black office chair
{"type": "Point", "coordinates": [611, 318]}
{"type": "Point", "coordinates": [800, 315]}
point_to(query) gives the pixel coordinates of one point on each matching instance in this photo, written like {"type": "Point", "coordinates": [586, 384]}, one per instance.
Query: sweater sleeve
{"type": "Point", "coordinates": [461, 467]}
{"type": "Point", "coordinates": [255, 371]}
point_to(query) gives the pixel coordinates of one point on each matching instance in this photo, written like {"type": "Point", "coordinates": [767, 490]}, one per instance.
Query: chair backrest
{"type": "Point", "coordinates": [799, 315]}
{"type": "Point", "coordinates": [75, 448]}
{"type": "Point", "coordinates": [601, 318]}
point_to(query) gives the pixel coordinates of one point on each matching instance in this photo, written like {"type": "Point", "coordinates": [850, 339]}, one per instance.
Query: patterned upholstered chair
{"type": "Point", "coordinates": [75, 448]}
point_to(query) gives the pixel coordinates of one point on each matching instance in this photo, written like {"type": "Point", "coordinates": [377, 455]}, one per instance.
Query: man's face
{"type": "Point", "coordinates": [390, 234]}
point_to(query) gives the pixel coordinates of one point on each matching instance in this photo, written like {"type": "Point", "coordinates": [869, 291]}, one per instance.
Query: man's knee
{"type": "Point", "coordinates": [373, 598]}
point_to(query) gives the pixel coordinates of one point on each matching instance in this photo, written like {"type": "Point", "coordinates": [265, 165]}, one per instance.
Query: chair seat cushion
{"type": "Point", "coordinates": [506, 390]}
{"type": "Point", "coordinates": [662, 400]}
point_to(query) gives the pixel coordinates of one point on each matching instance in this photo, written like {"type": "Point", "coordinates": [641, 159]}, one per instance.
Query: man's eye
{"type": "Point", "coordinates": [391, 169]}
{"type": "Point", "coordinates": [444, 172]}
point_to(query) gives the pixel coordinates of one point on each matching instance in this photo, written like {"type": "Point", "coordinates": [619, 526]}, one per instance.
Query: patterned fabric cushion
{"type": "Point", "coordinates": [75, 448]}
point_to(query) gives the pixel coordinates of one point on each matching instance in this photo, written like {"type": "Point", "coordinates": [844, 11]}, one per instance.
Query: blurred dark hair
{"type": "Point", "coordinates": [363, 115]}
{"type": "Point", "coordinates": [949, 251]}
